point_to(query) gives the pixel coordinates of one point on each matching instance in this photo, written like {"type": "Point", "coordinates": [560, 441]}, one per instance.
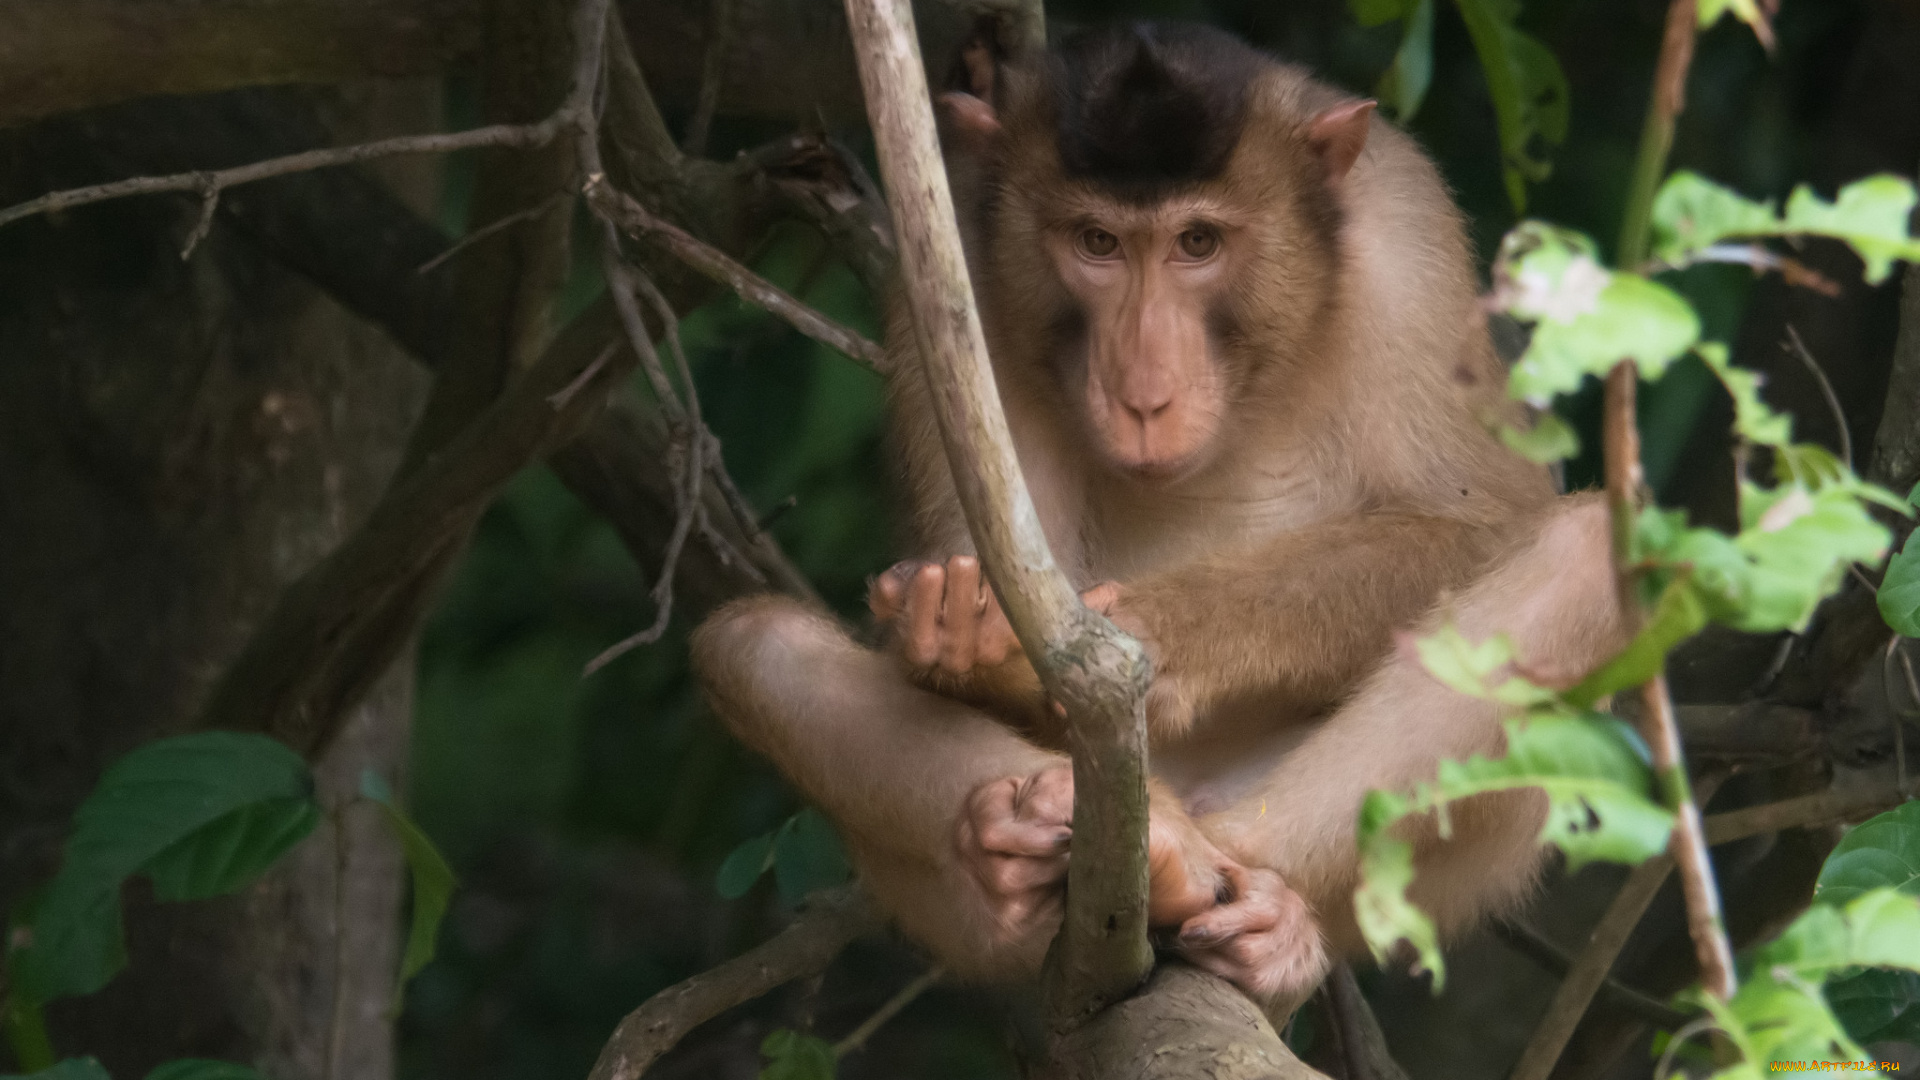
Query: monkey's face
{"type": "Point", "coordinates": [1148, 283]}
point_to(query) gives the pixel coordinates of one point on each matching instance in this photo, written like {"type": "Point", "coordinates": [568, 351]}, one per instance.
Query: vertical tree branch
{"type": "Point", "coordinates": [1099, 674]}
{"type": "Point", "coordinates": [1624, 491]}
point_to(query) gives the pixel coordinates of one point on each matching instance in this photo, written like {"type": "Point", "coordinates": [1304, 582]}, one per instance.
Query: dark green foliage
{"type": "Point", "coordinates": [202, 814]}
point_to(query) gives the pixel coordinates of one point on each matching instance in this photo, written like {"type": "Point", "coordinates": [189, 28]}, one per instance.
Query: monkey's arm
{"type": "Point", "coordinates": [1298, 618]}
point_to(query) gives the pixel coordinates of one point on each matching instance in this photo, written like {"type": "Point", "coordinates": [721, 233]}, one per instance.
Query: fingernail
{"type": "Point", "coordinates": [1196, 936]}
{"type": "Point", "coordinates": [1062, 838]}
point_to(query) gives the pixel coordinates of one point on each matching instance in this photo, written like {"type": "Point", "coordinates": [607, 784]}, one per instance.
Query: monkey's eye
{"type": "Point", "coordinates": [1099, 243]}
{"type": "Point", "coordinates": [1199, 243]}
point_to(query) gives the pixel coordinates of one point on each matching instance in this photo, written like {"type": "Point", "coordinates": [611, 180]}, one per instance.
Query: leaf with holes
{"type": "Point", "coordinates": [1595, 776]}
{"type": "Point", "coordinates": [1692, 213]}
{"type": "Point", "coordinates": [1529, 91]}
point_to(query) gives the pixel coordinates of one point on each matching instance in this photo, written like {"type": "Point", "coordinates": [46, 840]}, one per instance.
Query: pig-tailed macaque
{"type": "Point", "coordinates": [1234, 323]}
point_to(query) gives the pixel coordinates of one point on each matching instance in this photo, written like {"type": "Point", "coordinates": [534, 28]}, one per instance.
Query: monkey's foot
{"type": "Point", "coordinates": [1262, 940]}
{"type": "Point", "coordinates": [1012, 837]}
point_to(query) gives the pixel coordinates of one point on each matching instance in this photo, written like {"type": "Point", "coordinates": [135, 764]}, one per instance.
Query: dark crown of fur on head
{"type": "Point", "coordinates": [1145, 106]}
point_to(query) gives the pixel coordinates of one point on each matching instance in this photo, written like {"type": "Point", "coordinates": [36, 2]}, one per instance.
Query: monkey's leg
{"type": "Point", "coordinates": [1554, 595]}
{"type": "Point", "coordinates": [959, 827]}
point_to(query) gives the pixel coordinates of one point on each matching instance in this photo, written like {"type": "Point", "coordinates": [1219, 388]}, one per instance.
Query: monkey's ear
{"type": "Point", "coordinates": [1338, 135]}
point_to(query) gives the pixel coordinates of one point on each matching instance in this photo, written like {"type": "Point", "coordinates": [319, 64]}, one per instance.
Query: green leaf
{"type": "Point", "coordinates": [84, 1068]}
{"type": "Point", "coordinates": [1529, 91]}
{"type": "Point", "coordinates": [25, 1026]}
{"type": "Point", "coordinates": [1747, 11]}
{"type": "Point", "coordinates": [743, 866]}
{"type": "Point", "coordinates": [433, 879]}
{"type": "Point", "coordinates": [1882, 852]}
{"type": "Point", "coordinates": [232, 851]}
{"type": "Point", "coordinates": [807, 856]}
{"type": "Point", "coordinates": [1404, 84]}
{"type": "Point", "coordinates": [1376, 12]}
{"type": "Point", "coordinates": [1899, 595]}
{"type": "Point", "coordinates": [1753, 419]}
{"type": "Point", "coordinates": [793, 1056]}
{"type": "Point", "coordinates": [1551, 439]}
{"type": "Point", "coordinates": [1692, 213]}
{"type": "Point", "coordinates": [1877, 1005]}
{"type": "Point", "coordinates": [204, 813]}
{"type": "Point", "coordinates": [1484, 671]}
{"type": "Point", "coordinates": [1677, 616]}
{"type": "Point", "coordinates": [202, 1069]}
{"type": "Point", "coordinates": [1594, 773]}
{"type": "Point", "coordinates": [1587, 318]}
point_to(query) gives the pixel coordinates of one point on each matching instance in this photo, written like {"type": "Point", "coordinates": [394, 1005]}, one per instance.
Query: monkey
{"type": "Point", "coordinates": [1233, 320]}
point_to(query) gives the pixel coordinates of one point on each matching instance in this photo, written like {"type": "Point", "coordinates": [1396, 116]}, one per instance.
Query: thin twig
{"type": "Point", "coordinates": [805, 947]}
{"type": "Point", "coordinates": [858, 1037]}
{"type": "Point", "coordinates": [1625, 491]}
{"type": "Point", "coordinates": [493, 228]}
{"type": "Point", "coordinates": [1799, 349]}
{"type": "Point", "coordinates": [640, 222]}
{"type": "Point", "coordinates": [209, 202]}
{"type": "Point", "coordinates": [1570, 999]}
{"type": "Point", "coordinates": [713, 74]}
{"type": "Point", "coordinates": [1535, 946]}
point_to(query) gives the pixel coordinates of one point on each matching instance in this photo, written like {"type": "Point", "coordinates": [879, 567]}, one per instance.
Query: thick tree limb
{"type": "Point", "coordinates": [61, 55]}
{"type": "Point", "coordinates": [805, 947]}
{"type": "Point", "coordinates": [1184, 1024]}
{"type": "Point", "coordinates": [1096, 672]}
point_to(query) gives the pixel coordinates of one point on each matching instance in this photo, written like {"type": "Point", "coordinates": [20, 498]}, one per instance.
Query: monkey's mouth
{"type": "Point", "coordinates": [1160, 469]}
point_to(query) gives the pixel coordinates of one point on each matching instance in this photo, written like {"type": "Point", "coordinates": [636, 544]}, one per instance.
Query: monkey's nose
{"type": "Point", "coordinates": [1143, 409]}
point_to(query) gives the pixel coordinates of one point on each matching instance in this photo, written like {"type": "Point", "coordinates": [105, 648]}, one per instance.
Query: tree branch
{"type": "Point", "coordinates": [1625, 493]}
{"type": "Point", "coordinates": [1535, 946]}
{"type": "Point", "coordinates": [1099, 674]}
{"type": "Point", "coordinates": [805, 947]}
{"type": "Point", "coordinates": [626, 212]}
{"type": "Point", "coordinates": [1362, 1042]}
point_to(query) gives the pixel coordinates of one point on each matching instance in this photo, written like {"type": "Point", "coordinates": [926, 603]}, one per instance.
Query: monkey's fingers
{"type": "Point", "coordinates": [1046, 796]}
{"type": "Point", "coordinates": [1014, 877]}
{"type": "Point", "coordinates": [997, 641]}
{"type": "Point", "coordinates": [1032, 839]}
{"type": "Point", "coordinates": [920, 626]}
{"type": "Point", "coordinates": [887, 593]}
{"type": "Point", "coordinates": [1261, 902]}
{"type": "Point", "coordinates": [960, 615]}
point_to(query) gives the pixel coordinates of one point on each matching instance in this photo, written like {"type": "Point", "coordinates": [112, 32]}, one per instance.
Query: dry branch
{"type": "Point", "coordinates": [1625, 491]}
{"type": "Point", "coordinates": [1097, 673]}
{"type": "Point", "coordinates": [805, 947]}
{"type": "Point", "coordinates": [1589, 971]}
{"type": "Point", "coordinates": [637, 220]}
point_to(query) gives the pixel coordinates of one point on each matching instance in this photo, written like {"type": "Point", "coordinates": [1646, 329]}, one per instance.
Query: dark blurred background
{"type": "Point", "coordinates": [586, 817]}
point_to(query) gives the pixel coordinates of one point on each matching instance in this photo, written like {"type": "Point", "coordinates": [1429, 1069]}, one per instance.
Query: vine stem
{"type": "Point", "coordinates": [1625, 493]}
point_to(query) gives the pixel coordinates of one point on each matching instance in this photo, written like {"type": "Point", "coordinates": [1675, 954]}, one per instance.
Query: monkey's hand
{"type": "Point", "coordinates": [1012, 837]}
{"type": "Point", "coordinates": [1240, 923]}
{"type": "Point", "coordinates": [1170, 708]}
{"type": "Point", "coordinates": [944, 616]}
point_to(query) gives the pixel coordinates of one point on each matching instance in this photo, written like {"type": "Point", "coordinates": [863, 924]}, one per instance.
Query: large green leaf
{"type": "Point", "coordinates": [793, 1056]}
{"type": "Point", "coordinates": [1877, 1005]}
{"type": "Point", "coordinates": [433, 880]}
{"type": "Point", "coordinates": [203, 813]}
{"type": "Point", "coordinates": [743, 866]}
{"type": "Point", "coordinates": [1882, 852]}
{"type": "Point", "coordinates": [1692, 213]}
{"type": "Point", "coordinates": [1404, 84]}
{"type": "Point", "coordinates": [1594, 773]}
{"type": "Point", "coordinates": [1899, 594]}
{"type": "Point", "coordinates": [202, 1069]}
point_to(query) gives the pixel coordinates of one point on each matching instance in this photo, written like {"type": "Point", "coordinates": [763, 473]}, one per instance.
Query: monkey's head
{"type": "Point", "coordinates": [1159, 211]}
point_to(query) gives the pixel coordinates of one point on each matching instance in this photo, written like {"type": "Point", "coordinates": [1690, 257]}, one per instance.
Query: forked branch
{"type": "Point", "coordinates": [1099, 674]}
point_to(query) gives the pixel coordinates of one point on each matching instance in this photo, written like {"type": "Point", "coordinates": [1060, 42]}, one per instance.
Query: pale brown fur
{"type": "Point", "coordinates": [1326, 479]}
